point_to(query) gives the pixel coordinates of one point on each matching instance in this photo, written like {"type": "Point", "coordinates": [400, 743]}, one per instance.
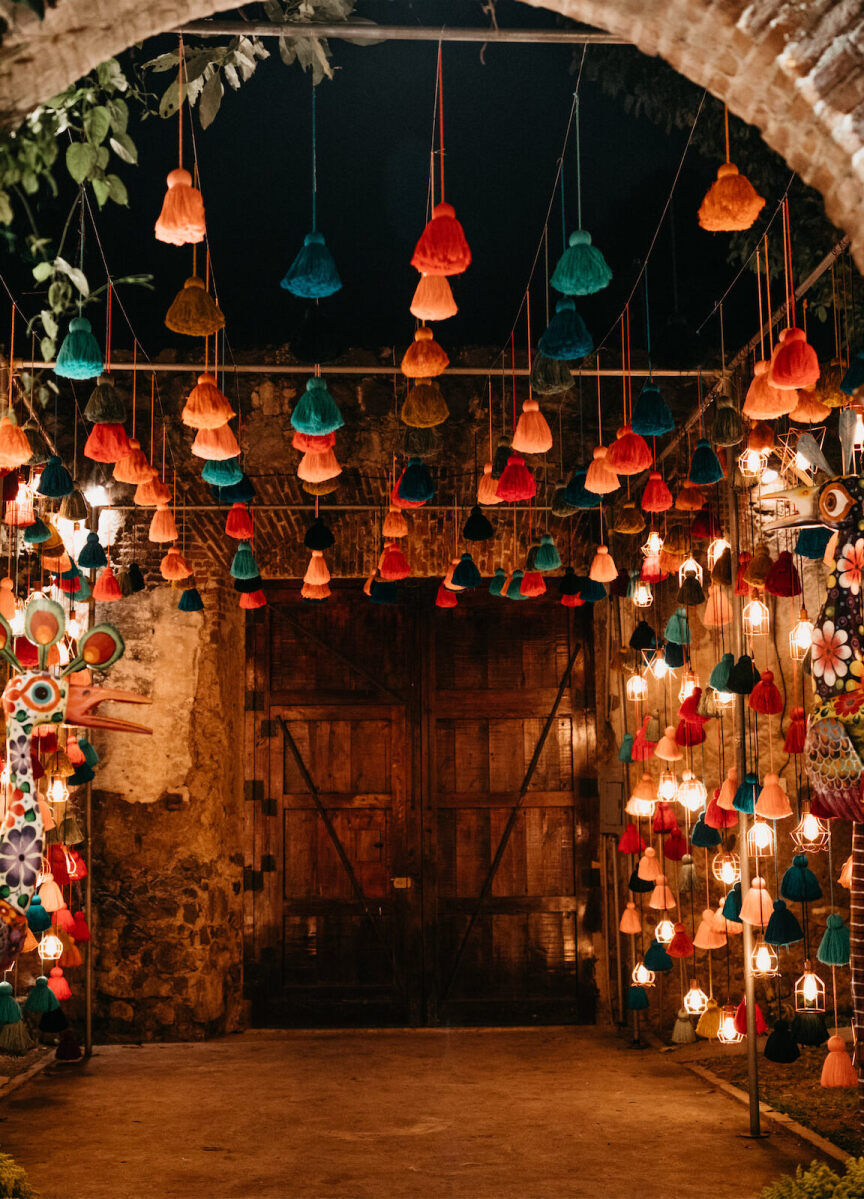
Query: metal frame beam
{"type": "Point", "coordinates": [350, 31]}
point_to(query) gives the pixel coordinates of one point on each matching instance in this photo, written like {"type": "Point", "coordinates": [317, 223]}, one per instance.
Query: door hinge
{"type": "Point", "coordinates": [253, 880]}
{"type": "Point", "coordinates": [268, 728]}
{"type": "Point", "coordinates": [269, 807]}
{"type": "Point", "coordinates": [254, 701]}
{"type": "Point", "coordinates": [253, 789]}
{"type": "Point", "coordinates": [268, 863]}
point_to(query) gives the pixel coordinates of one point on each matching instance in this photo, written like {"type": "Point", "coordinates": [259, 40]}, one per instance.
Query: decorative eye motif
{"type": "Point", "coordinates": [41, 694]}
{"type": "Point", "coordinates": [835, 503]}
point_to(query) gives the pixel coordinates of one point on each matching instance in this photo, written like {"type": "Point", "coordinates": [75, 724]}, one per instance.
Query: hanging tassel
{"type": "Point", "coordinates": [799, 883]}
{"type": "Point", "coordinates": [442, 248]}
{"type": "Point", "coordinates": [637, 999]}
{"type": "Point", "coordinates": [709, 1022]}
{"type": "Point", "coordinates": [465, 573]}
{"type": "Point", "coordinates": [424, 358]}
{"type": "Point", "coordinates": [731, 204]}
{"type": "Point", "coordinates": [657, 959]}
{"type": "Point", "coordinates": [682, 1031]}
{"type": "Point", "coordinates": [163, 527]}
{"type": "Point", "coordinates": [79, 356]}
{"type": "Point", "coordinates": [316, 412]}
{"type": "Point", "coordinates": [216, 444]}
{"type": "Point", "coordinates": [190, 601]}
{"type": "Point", "coordinates": [433, 299]}
{"type": "Point", "coordinates": [783, 578]}
{"type": "Point", "coordinates": [181, 221]}
{"type": "Point", "coordinates": [834, 947]}
{"type": "Point", "coordinates": [194, 312]}
{"type": "Point", "coordinates": [318, 468]}
{"type": "Point", "coordinates": [566, 337]}
{"type": "Point", "coordinates": [757, 907]}
{"type": "Point", "coordinates": [745, 796]}
{"type": "Point", "coordinates": [92, 556]}
{"type": "Point", "coordinates": [662, 897]}
{"type": "Point", "coordinates": [809, 410]}
{"type": "Point", "coordinates": [41, 998]}
{"type": "Point", "coordinates": [603, 568]}
{"type": "Point", "coordinates": [393, 565]}
{"type": "Point", "coordinates": [705, 467]}
{"type": "Point", "coordinates": [743, 676]}
{"type": "Point", "coordinates": [15, 447]}
{"type": "Point", "coordinates": [708, 936]}
{"type": "Point", "coordinates": [727, 428]}
{"type": "Point", "coordinates": [106, 443]}
{"type": "Point", "coordinates": [629, 454]}
{"type": "Point", "coordinates": [313, 274]}
{"type": "Point", "coordinates": [600, 478]}
{"type": "Point", "coordinates": [680, 946]}
{"type": "Point", "coordinates": [153, 492]}
{"type": "Point", "coordinates": [625, 752]}
{"type": "Point", "coordinates": [687, 871]}
{"type": "Point", "coordinates": [764, 401]}
{"type": "Point", "coordinates": [570, 591]}
{"type": "Point", "coordinates": [718, 610]}
{"type": "Point", "coordinates": [59, 985]}
{"type": "Point", "coordinates": [238, 523]}
{"type": "Point", "coordinates": [678, 628]}
{"type": "Point", "coordinates": [243, 564]}
{"type": "Point", "coordinates": [415, 484]}
{"type": "Point", "coordinates": [516, 483]}
{"type": "Point", "coordinates": [765, 697]}
{"type": "Point", "coordinates": [550, 376]}
{"type": "Point", "coordinates": [547, 557]}
{"type": "Point", "coordinates": [424, 406]}
{"type": "Point", "coordinates": [731, 909]}
{"type": "Point", "coordinates": [689, 498]}
{"type": "Point", "coordinates": [808, 1028]}
{"type": "Point", "coordinates": [487, 488]}
{"type": "Point", "coordinates": [780, 1046]}
{"type": "Point", "coordinates": [656, 497]}
{"type": "Point", "coordinates": [648, 868]}
{"type": "Point", "coordinates": [794, 363]}
{"type": "Point", "coordinates": [773, 802]}
{"type": "Point", "coordinates": [476, 528]}
{"type": "Point", "coordinates": [630, 841]}
{"type": "Point", "coordinates": [206, 407]}
{"type": "Point", "coordinates": [704, 836]}
{"type": "Point", "coordinates": [581, 270]}
{"type": "Point", "coordinates": [250, 600]}
{"type": "Point", "coordinates": [630, 922]}
{"type": "Point", "coordinates": [106, 589]}
{"type": "Point", "coordinates": [133, 467]}
{"type": "Point", "coordinates": [796, 734]}
{"type": "Point", "coordinates": [532, 434]}
{"type": "Point", "coordinates": [667, 748]}
{"type": "Point", "coordinates": [690, 593]}
{"type": "Point", "coordinates": [837, 1070]}
{"type": "Point", "coordinates": [741, 1019]}
{"type": "Point", "coordinates": [783, 927]}
{"type": "Point", "coordinates": [174, 566]}
{"type": "Point", "coordinates": [317, 573]}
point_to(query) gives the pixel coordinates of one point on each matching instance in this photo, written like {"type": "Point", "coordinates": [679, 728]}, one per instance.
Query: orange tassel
{"type": "Point", "coordinates": [395, 524]}
{"type": "Point", "coordinates": [433, 299]}
{"type": "Point", "coordinates": [315, 591]}
{"type": "Point", "coordinates": [239, 523]}
{"type": "Point", "coordinates": [600, 478]}
{"type": "Point", "coordinates": [133, 467]}
{"type": "Point", "coordinates": [656, 497]}
{"type": "Point", "coordinates": [794, 363]}
{"type": "Point", "coordinates": [689, 498]}
{"type": "Point", "coordinates": [317, 574]}
{"type": "Point", "coordinates": [15, 448]}
{"type": "Point", "coordinates": [318, 468]}
{"type": "Point", "coordinates": [424, 358]}
{"type": "Point", "coordinates": [106, 589]}
{"type": "Point", "coordinates": [181, 221]}
{"type": "Point", "coordinates": [445, 598]}
{"type": "Point", "coordinates": [731, 204]}
{"type": "Point", "coordinates": [152, 491]}
{"type": "Point", "coordinates": [163, 527]}
{"type": "Point", "coordinates": [763, 400]}
{"type": "Point", "coordinates": [487, 488]}
{"type": "Point", "coordinates": [629, 454]}
{"type": "Point", "coordinates": [174, 566]}
{"type": "Point", "coordinates": [603, 568]}
{"type": "Point", "coordinates": [532, 434]}
{"type": "Point", "coordinates": [206, 407]}
{"type": "Point", "coordinates": [809, 410]}
{"type": "Point", "coordinates": [317, 443]}
{"type": "Point", "coordinates": [837, 1069]}
{"type": "Point", "coordinates": [216, 445]}
{"type": "Point", "coordinates": [106, 443]}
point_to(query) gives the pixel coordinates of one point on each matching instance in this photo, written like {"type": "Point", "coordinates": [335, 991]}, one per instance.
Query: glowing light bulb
{"type": "Point", "coordinates": [809, 989]}
{"type": "Point", "coordinates": [73, 628]}
{"type": "Point", "coordinates": [763, 960]}
{"type": "Point", "coordinates": [642, 976]}
{"type": "Point", "coordinates": [665, 931]}
{"type": "Point", "coordinates": [658, 667]}
{"type": "Point", "coordinates": [755, 617]}
{"type": "Point", "coordinates": [695, 1001]}
{"type": "Point", "coordinates": [728, 1033]}
{"type": "Point", "coordinates": [689, 683]}
{"type": "Point", "coordinates": [643, 596]}
{"type": "Point", "coordinates": [801, 636]}
{"type": "Point", "coordinates": [760, 837]}
{"type": "Point", "coordinates": [57, 791]}
{"type": "Point", "coordinates": [726, 868]}
{"type": "Point", "coordinates": [723, 698]}
{"type": "Point", "coordinates": [858, 430]}
{"type": "Point", "coordinates": [636, 688]}
{"type": "Point", "coordinates": [752, 462]}
{"type": "Point", "coordinates": [810, 835]}
{"type": "Point", "coordinates": [691, 792]}
{"type": "Point", "coordinates": [689, 567]}
{"type": "Point", "coordinates": [50, 948]}
{"type": "Point", "coordinates": [96, 495]}
{"type": "Point", "coordinates": [16, 624]}
{"type": "Point", "coordinates": [653, 545]}
{"type": "Point", "coordinates": [667, 785]}
{"type": "Point", "coordinates": [768, 476]}
{"type": "Point", "coordinates": [716, 550]}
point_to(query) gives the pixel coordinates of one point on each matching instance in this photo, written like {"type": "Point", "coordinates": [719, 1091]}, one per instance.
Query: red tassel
{"type": "Point", "coordinates": [741, 1019]}
{"type": "Point", "coordinates": [642, 747]}
{"type": "Point", "coordinates": [675, 846]}
{"type": "Point", "coordinates": [106, 443]}
{"type": "Point", "coordinates": [689, 709]}
{"type": "Point", "coordinates": [765, 697]}
{"type": "Point", "coordinates": [717, 817]}
{"type": "Point", "coordinates": [106, 589]}
{"type": "Point", "coordinates": [239, 523]}
{"type": "Point", "coordinates": [63, 920]}
{"type": "Point", "coordinates": [652, 571]}
{"type": "Point", "coordinates": [783, 578]}
{"type": "Point", "coordinates": [25, 650]}
{"type": "Point", "coordinates": [742, 587]}
{"type": "Point", "coordinates": [58, 984]}
{"type": "Point", "coordinates": [81, 931]}
{"type": "Point", "coordinates": [252, 599]}
{"type": "Point", "coordinates": [630, 840]}
{"type": "Point", "coordinates": [77, 867]}
{"type": "Point", "coordinates": [516, 482]}
{"type": "Point", "coordinates": [796, 733]}
{"type": "Point", "coordinates": [680, 946]}
{"type": "Point", "coordinates": [445, 598]}
{"type": "Point", "coordinates": [572, 601]}
{"type": "Point", "coordinates": [533, 584]}
{"type": "Point", "coordinates": [393, 565]}
{"type": "Point", "coordinates": [688, 733]}
{"type": "Point", "coordinates": [57, 864]}
{"type": "Point", "coordinates": [664, 819]}
{"type": "Point", "coordinates": [704, 526]}
{"type": "Point", "coordinates": [317, 443]}
{"type": "Point", "coordinates": [656, 497]}
{"type": "Point", "coordinates": [442, 248]}
{"type": "Point", "coordinates": [629, 454]}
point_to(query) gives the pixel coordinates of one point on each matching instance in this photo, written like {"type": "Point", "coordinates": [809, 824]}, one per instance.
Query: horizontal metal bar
{"type": "Point", "coordinates": [180, 507]}
{"type": "Point", "coordinates": [402, 33]}
{"type": "Point", "coordinates": [272, 368]}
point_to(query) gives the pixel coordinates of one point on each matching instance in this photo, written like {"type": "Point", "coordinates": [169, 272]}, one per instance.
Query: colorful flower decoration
{"type": "Point", "coordinates": [829, 653]}
{"type": "Point", "coordinates": [850, 564]}
{"type": "Point", "coordinates": [20, 857]}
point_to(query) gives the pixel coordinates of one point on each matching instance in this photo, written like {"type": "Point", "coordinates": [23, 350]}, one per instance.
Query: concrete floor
{"type": "Point", "coordinates": [467, 1114]}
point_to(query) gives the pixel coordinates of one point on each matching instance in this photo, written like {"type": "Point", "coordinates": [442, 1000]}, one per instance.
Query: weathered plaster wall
{"type": "Point", "coordinates": [168, 860]}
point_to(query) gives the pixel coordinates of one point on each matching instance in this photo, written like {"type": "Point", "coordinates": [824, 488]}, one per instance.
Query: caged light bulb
{"type": "Point", "coordinates": [716, 550]}
{"type": "Point", "coordinates": [653, 545]}
{"type": "Point", "coordinates": [690, 567]}
{"type": "Point", "coordinates": [642, 976]}
{"type": "Point", "coordinates": [665, 931]}
{"type": "Point", "coordinates": [667, 785]}
{"type": "Point", "coordinates": [755, 617]}
{"type": "Point", "coordinates": [636, 688]}
{"type": "Point", "coordinates": [691, 792]}
{"type": "Point", "coordinates": [658, 667]}
{"type": "Point", "coordinates": [689, 683]}
{"type": "Point", "coordinates": [695, 1001]}
{"type": "Point", "coordinates": [643, 597]}
{"type": "Point", "coordinates": [752, 462]}
{"type": "Point", "coordinates": [810, 834]}
{"type": "Point", "coordinates": [50, 948]}
{"type": "Point", "coordinates": [57, 791]}
{"type": "Point", "coordinates": [801, 637]}
{"type": "Point", "coordinates": [728, 1034]}
{"type": "Point", "coordinates": [760, 838]}
{"type": "Point", "coordinates": [763, 960]}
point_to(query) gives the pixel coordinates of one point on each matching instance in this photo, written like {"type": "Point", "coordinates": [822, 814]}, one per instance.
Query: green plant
{"type": "Point", "coordinates": [13, 1180]}
{"type": "Point", "coordinates": [819, 1181]}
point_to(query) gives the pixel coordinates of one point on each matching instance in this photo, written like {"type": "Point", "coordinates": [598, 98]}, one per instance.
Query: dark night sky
{"type": "Point", "coordinates": [504, 120]}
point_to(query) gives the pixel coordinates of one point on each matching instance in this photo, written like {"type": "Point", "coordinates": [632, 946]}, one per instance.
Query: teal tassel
{"type": "Point", "coordinates": [36, 533]}
{"type": "Point", "coordinates": [191, 601]}
{"type": "Point", "coordinates": [719, 678]}
{"type": "Point", "coordinates": [498, 580]}
{"type": "Point", "coordinates": [514, 587]}
{"type": "Point", "coordinates": [651, 415]}
{"type": "Point", "coordinates": [799, 883]}
{"type": "Point", "coordinates": [90, 755]}
{"type": "Point", "coordinates": [732, 905]}
{"type": "Point", "coordinates": [222, 474]}
{"type": "Point", "coordinates": [80, 775]}
{"type": "Point", "coordinates": [236, 493]}
{"type": "Point", "coordinates": [854, 377]}
{"type": "Point", "coordinates": [783, 927]}
{"type": "Point", "coordinates": [547, 556]}
{"type": "Point", "coordinates": [834, 947]}
{"type": "Point", "coordinates": [55, 480]}
{"type": "Point", "coordinates": [566, 336]}
{"type": "Point", "coordinates": [41, 998]}
{"type": "Point", "coordinates": [10, 1013]}
{"type": "Point", "coordinates": [812, 543]}
{"type": "Point", "coordinates": [657, 959]}
{"type": "Point", "coordinates": [625, 753]}
{"type": "Point", "coordinates": [466, 573]}
{"type": "Point", "coordinates": [703, 835]}
{"type": "Point", "coordinates": [581, 270]}
{"type": "Point", "coordinates": [244, 565]}
{"type": "Point", "coordinates": [92, 555]}
{"type": "Point", "coordinates": [590, 591]}
{"type": "Point", "coordinates": [313, 274]}
{"type": "Point", "coordinates": [416, 483]}
{"type": "Point", "coordinates": [745, 796]}
{"type": "Point", "coordinates": [577, 495]}
{"type": "Point", "coordinates": [705, 467]}
{"type": "Point", "coordinates": [316, 412]}
{"type": "Point", "coordinates": [38, 919]}
{"type": "Point", "coordinates": [678, 628]}
{"type": "Point", "coordinates": [79, 356]}
{"type": "Point", "coordinates": [637, 1000]}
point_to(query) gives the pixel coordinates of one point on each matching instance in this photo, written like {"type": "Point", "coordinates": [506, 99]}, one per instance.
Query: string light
{"type": "Point", "coordinates": [57, 792]}
{"type": "Point", "coordinates": [752, 462]}
{"type": "Point", "coordinates": [728, 1034]}
{"type": "Point", "coordinates": [691, 792]}
{"type": "Point", "coordinates": [809, 992]}
{"type": "Point", "coordinates": [810, 835]}
{"type": "Point", "coordinates": [653, 545]}
{"type": "Point", "coordinates": [689, 683]}
{"type": "Point", "coordinates": [801, 637]}
{"type": "Point", "coordinates": [658, 666]}
{"type": "Point", "coordinates": [643, 596]}
{"type": "Point", "coordinates": [642, 976]}
{"type": "Point", "coordinates": [50, 948]}
{"type": "Point", "coordinates": [760, 838]}
{"type": "Point", "coordinates": [690, 567]}
{"type": "Point", "coordinates": [726, 868]}
{"type": "Point", "coordinates": [667, 785]}
{"type": "Point", "coordinates": [636, 688]}
{"type": "Point", "coordinates": [764, 962]}
{"type": "Point", "coordinates": [716, 550]}
{"type": "Point", "coordinates": [755, 617]}
{"type": "Point", "coordinates": [695, 1001]}
{"type": "Point", "coordinates": [665, 931]}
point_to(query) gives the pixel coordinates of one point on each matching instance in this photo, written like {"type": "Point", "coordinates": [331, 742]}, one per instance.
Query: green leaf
{"type": "Point", "coordinates": [80, 160]}
{"type": "Point", "coordinates": [211, 98]}
{"type": "Point", "coordinates": [42, 271]}
{"type": "Point", "coordinates": [49, 324]}
{"type": "Point", "coordinates": [101, 191]}
{"type": "Point", "coordinates": [78, 278]}
{"type": "Point", "coordinates": [117, 190]}
{"type": "Point", "coordinates": [124, 148]}
{"type": "Point", "coordinates": [170, 101]}
{"type": "Point", "coordinates": [30, 182]}
{"type": "Point", "coordinates": [48, 349]}
{"type": "Point", "coordinates": [165, 62]}
{"type": "Point", "coordinates": [6, 213]}
{"type": "Point", "coordinates": [103, 155]}
{"type": "Point", "coordinates": [118, 111]}
{"type": "Point", "coordinates": [59, 295]}
{"type": "Point", "coordinates": [111, 77]}
{"type": "Point", "coordinates": [97, 122]}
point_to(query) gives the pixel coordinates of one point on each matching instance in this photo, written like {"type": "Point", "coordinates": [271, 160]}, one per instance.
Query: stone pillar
{"type": "Point", "coordinates": [167, 826]}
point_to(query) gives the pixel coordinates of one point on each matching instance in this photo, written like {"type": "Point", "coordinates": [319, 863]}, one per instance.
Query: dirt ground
{"type": "Point", "coordinates": [463, 1114]}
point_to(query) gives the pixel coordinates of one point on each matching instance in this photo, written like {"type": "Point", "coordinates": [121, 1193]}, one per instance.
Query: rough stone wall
{"type": "Point", "coordinates": [793, 68]}
{"type": "Point", "coordinates": [168, 857]}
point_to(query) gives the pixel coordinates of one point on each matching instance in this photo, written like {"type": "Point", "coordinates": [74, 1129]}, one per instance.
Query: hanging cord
{"type": "Point", "coordinates": [789, 252]}
{"type": "Point", "coordinates": [180, 64]}
{"type": "Point", "coordinates": [441, 122]}
{"type": "Point", "coordinates": [528, 324]}
{"type": "Point", "coordinates": [563, 212]}
{"type": "Point", "coordinates": [768, 299]}
{"type": "Point", "coordinates": [647, 323]}
{"type": "Point", "coordinates": [726, 127]}
{"type": "Point", "coordinates": [11, 354]}
{"type": "Point", "coordinates": [759, 300]}
{"type": "Point", "coordinates": [314, 164]}
{"type": "Point", "coordinates": [578, 165]}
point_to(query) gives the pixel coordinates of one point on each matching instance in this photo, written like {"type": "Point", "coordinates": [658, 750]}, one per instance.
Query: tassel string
{"type": "Point", "coordinates": [314, 164]}
{"type": "Point", "coordinates": [578, 164]}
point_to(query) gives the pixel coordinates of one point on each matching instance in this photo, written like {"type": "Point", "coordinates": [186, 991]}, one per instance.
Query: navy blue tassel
{"type": "Point", "coordinates": [566, 336]}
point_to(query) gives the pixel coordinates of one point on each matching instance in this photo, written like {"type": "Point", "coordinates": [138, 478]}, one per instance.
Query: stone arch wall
{"type": "Point", "coordinates": [793, 68]}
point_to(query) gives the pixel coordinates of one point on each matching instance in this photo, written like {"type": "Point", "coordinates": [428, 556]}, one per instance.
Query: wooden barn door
{"type": "Point", "coordinates": [386, 748]}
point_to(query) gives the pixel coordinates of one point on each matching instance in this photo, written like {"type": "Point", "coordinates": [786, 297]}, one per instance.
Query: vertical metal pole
{"type": "Point", "coordinates": [93, 525]}
{"type": "Point", "coordinates": [743, 824]}
{"type": "Point", "coordinates": [619, 965]}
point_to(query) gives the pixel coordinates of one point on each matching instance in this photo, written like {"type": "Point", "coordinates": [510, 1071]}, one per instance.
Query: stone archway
{"type": "Point", "coordinates": [794, 70]}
